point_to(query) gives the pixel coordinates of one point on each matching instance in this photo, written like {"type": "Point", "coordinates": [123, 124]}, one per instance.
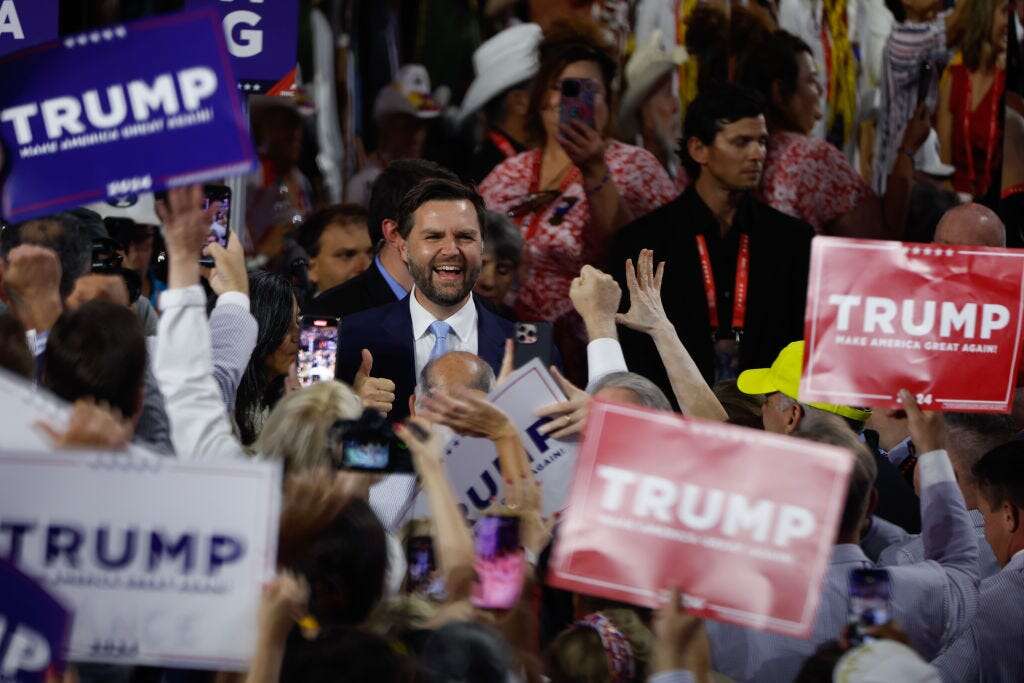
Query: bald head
{"type": "Point", "coordinates": [457, 369]}
{"type": "Point", "coordinates": [972, 225]}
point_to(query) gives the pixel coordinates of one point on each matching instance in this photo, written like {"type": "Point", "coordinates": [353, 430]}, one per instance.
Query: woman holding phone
{"type": "Point", "coordinates": [580, 187]}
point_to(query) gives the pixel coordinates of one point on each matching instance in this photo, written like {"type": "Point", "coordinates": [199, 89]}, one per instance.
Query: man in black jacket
{"type": "Point", "coordinates": [736, 283]}
{"type": "Point", "coordinates": [387, 280]}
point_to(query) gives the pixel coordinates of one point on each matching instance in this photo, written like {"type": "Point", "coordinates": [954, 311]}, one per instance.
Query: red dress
{"type": "Point", "coordinates": [554, 253]}
{"type": "Point", "coordinates": [977, 135]}
{"type": "Point", "coordinates": [810, 179]}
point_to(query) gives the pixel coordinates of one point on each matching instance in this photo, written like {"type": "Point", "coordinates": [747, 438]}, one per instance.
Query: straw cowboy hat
{"type": "Point", "coordinates": [410, 94]}
{"type": "Point", "coordinates": [645, 68]}
{"type": "Point", "coordinates": [509, 58]}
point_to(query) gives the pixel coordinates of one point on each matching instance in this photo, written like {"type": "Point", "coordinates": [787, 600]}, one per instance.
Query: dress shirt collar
{"type": "Point", "coordinates": [1017, 558]}
{"type": "Point", "coordinates": [845, 553]}
{"type": "Point", "coordinates": [395, 286]}
{"type": "Point", "coordinates": [462, 322]}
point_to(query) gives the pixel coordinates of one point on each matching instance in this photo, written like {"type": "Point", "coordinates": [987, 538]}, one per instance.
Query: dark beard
{"type": "Point", "coordinates": [423, 277]}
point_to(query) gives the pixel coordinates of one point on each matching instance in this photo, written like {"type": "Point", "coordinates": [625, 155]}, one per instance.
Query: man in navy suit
{"type": "Point", "coordinates": [439, 222]}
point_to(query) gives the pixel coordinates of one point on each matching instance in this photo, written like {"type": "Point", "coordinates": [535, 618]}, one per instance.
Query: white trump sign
{"type": "Point", "coordinates": [161, 561]}
{"type": "Point", "coordinates": [472, 464]}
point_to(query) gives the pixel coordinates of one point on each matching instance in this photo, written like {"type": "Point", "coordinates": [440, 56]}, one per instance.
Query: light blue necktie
{"type": "Point", "coordinates": [441, 330]}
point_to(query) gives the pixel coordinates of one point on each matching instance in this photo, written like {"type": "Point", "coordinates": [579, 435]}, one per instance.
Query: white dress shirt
{"type": "Point", "coordinates": [463, 336]}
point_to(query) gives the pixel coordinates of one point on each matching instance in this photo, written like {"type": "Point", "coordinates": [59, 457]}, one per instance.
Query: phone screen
{"type": "Point", "coordinates": [318, 350]}
{"type": "Point", "coordinates": [577, 101]}
{"type": "Point", "coordinates": [500, 563]}
{"type": "Point", "coordinates": [360, 454]}
{"type": "Point", "coordinates": [870, 601]}
{"type": "Point", "coordinates": [420, 560]}
{"type": "Point", "coordinates": [222, 218]}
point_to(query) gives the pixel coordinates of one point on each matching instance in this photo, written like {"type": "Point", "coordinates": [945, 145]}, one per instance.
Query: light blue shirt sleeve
{"type": "Point", "coordinates": [676, 676]}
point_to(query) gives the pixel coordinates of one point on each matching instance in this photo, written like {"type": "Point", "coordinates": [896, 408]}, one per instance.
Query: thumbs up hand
{"type": "Point", "coordinates": [375, 392]}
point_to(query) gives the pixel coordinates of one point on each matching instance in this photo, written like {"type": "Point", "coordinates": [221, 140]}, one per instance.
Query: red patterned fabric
{"type": "Point", "coordinates": [810, 179]}
{"type": "Point", "coordinates": [554, 254]}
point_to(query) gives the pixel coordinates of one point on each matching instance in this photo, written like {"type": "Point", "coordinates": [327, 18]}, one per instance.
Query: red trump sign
{"type": "Point", "coordinates": [943, 322]}
{"type": "Point", "coordinates": [742, 520]}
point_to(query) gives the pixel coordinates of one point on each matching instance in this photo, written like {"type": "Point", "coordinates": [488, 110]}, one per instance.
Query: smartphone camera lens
{"type": "Point", "coordinates": [571, 87]}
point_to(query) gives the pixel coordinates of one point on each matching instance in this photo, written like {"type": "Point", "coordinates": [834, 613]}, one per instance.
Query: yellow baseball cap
{"type": "Point", "coordinates": [784, 376]}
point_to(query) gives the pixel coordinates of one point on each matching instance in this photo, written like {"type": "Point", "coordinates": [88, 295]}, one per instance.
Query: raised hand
{"type": "Point", "coordinates": [927, 429]}
{"type": "Point", "coordinates": [228, 273]}
{"type": "Point", "coordinates": [31, 282]}
{"type": "Point", "coordinates": [375, 392]}
{"type": "Point", "coordinates": [91, 426]}
{"type": "Point", "coordinates": [646, 312]}
{"type": "Point", "coordinates": [569, 416]}
{"type": "Point", "coordinates": [468, 414]}
{"type": "Point", "coordinates": [596, 296]}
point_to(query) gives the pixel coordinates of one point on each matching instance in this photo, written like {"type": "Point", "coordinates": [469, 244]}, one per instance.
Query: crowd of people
{"type": "Point", "coordinates": [663, 234]}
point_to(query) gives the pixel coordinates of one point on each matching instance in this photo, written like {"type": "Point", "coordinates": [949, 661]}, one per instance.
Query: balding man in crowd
{"type": "Point", "coordinates": [971, 224]}
{"type": "Point", "coordinates": [447, 375]}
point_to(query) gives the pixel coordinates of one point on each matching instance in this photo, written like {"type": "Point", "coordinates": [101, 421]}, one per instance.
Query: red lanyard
{"type": "Point", "coordinates": [739, 301]}
{"type": "Point", "coordinates": [538, 216]}
{"type": "Point", "coordinates": [502, 143]}
{"type": "Point", "coordinates": [993, 130]}
{"type": "Point", "coordinates": [1012, 190]}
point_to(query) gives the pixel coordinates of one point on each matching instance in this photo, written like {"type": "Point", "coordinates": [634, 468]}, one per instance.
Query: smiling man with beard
{"type": "Point", "coordinates": [736, 282]}
{"type": "Point", "coordinates": [439, 222]}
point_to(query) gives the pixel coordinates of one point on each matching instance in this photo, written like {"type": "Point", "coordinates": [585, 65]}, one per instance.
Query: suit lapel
{"type": "Point", "coordinates": [490, 336]}
{"type": "Point", "coordinates": [398, 325]}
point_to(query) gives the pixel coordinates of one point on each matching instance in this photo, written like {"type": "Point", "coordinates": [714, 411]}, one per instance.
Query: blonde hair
{"type": "Point", "coordinates": [296, 430]}
{"type": "Point", "coordinates": [577, 654]}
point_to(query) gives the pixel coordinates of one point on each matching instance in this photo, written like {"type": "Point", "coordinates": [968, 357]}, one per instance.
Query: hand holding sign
{"type": "Point", "coordinates": [567, 417]}
{"type": "Point", "coordinates": [92, 425]}
{"type": "Point", "coordinates": [680, 640]}
{"type": "Point", "coordinates": [31, 281]}
{"type": "Point", "coordinates": [927, 430]}
{"type": "Point", "coordinates": [285, 601]}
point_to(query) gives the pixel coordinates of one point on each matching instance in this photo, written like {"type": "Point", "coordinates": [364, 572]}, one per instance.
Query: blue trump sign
{"type": "Point", "coordinates": [34, 628]}
{"type": "Point", "coordinates": [262, 37]}
{"type": "Point", "coordinates": [24, 23]}
{"type": "Point", "coordinates": [124, 109]}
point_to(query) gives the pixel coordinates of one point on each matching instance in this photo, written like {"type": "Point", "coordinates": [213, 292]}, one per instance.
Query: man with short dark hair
{"type": "Point", "coordinates": [737, 284]}
{"type": "Point", "coordinates": [98, 351]}
{"type": "Point", "coordinates": [338, 245]}
{"type": "Point", "coordinates": [439, 226]}
{"type": "Point", "coordinates": [387, 279]}
{"type": "Point", "coordinates": [991, 650]}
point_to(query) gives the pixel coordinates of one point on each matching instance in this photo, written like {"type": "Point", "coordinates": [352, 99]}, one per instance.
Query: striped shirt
{"type": "Point", "coordinates": [933, 601]}
{"type": "Point", "coordinates": [993, 648]}
{"type": "Point", "coordinates": [910, 45]}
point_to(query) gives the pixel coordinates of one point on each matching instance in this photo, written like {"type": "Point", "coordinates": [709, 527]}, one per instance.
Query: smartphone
{"type": "Point", "coordinates": [221, 219]}
{"type": "Point", "coordinates": [318, 349]}
{"type": "Point", "coordinates": [577, 101]}
{"type": "Point", "coordinates": [533, 340]}
{"type": "Point", "coordinates": [500, 562]}
{"type": "Point", "coordinates": [925, 76]}
{"type": "Point", "coordinates": [368, 445]}
{"type": "Point", "coordinates": [419, 557]}
{"type": "Point", "coordinates": [870, 602]}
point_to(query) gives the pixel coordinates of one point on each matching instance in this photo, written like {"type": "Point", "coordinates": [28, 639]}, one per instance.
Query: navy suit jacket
{"type": "Point", "coordinates": [387, 332]}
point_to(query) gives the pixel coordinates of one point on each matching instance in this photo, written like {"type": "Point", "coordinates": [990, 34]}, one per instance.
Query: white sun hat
{"type": "Point", "coordinates": [410, 94]}
{"type": "Point", "coordinates": [927, 159]}
{"type": "Point", "coordinates": [140, 208]}
{"type": "Point", "coordinates": [649, 63]}
{"type": "Point", "coordinates": [883, 661]}
{"type": "Point", "coordinates": [509, 58]}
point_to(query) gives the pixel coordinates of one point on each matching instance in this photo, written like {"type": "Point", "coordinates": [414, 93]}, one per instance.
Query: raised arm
{"type": "Point", "coordinates": [233, 328]}
{"type": "Point", "coordinates": [647, 314]}
{"type": "Point", "coordinates": [940, 593]}
{"type": "Point", "coordinates": [200, 426]}
{"type": "Point", "coordinates": [455, 553]}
